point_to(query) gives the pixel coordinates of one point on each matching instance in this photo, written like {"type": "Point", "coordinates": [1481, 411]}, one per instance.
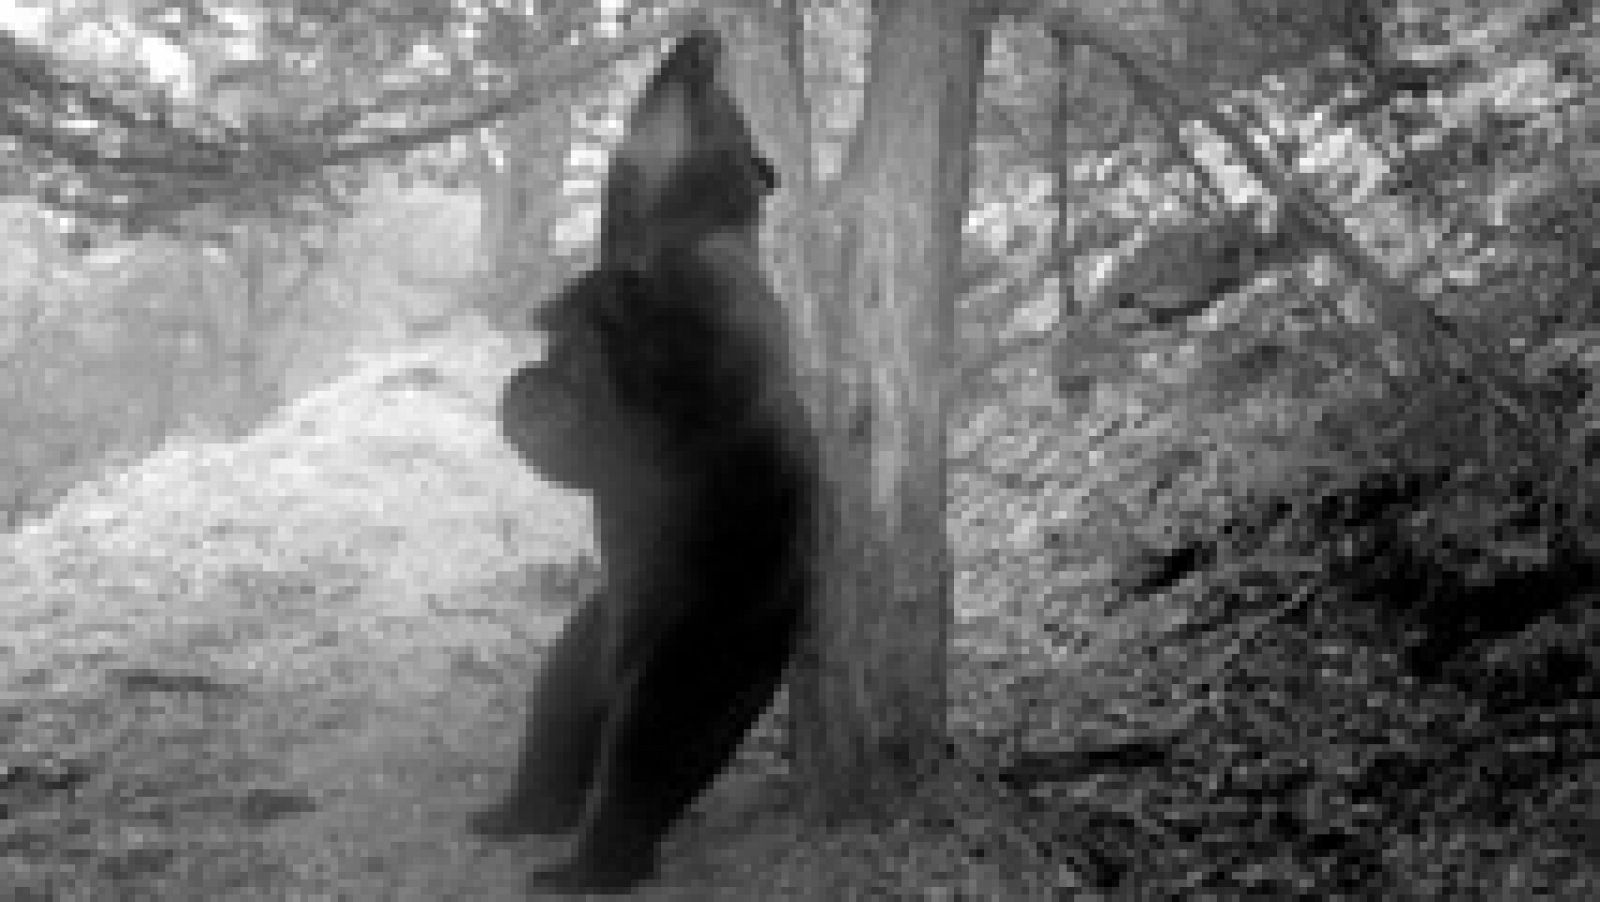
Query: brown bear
{"type": "Point", "coordinates": [670, 394]}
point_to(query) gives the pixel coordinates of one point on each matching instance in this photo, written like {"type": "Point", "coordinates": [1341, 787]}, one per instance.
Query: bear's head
{"type": "Point", "coordinates": [688, 168]}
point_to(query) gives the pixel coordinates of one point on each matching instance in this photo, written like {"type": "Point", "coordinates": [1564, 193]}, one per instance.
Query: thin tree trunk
{"type": "Point", "coordinates": [768, 79]}
{"type": "Point", "coordinates": [521, 210]}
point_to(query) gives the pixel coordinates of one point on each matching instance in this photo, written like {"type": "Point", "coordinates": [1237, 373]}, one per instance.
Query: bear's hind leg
{"type": "Point", "coordinates": [567, 711]}
{"type": "Point", "coordinates": [675, 727]}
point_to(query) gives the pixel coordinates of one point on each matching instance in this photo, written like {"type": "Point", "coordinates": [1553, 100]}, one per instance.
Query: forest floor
{"type": "Point", "coordinates": [289, 667]}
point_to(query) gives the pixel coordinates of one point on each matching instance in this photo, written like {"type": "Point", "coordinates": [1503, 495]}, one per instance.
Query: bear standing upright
{"type": "Point", "coordinates": [670, 394]}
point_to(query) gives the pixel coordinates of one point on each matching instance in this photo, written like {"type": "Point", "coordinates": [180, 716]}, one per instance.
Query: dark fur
{"type": "Point", "coordinates": [670, 395]}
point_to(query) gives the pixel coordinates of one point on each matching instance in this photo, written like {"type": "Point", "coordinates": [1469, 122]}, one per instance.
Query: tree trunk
{"type": "Point", "coordinates": [523, 168]}
{"type": "Point", "coordinates": [1063, 252]}
{"type": "Point", "coordinates": [870, 687]}
{"type": "Point", "coordinates": [521, 208]}
{"type": "Point", "coordinates": [768, 79]}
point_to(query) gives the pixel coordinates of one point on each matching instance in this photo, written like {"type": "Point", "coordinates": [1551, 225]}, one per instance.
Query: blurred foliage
{"type": "Point", "coordinates": [1358, 703]}
{"type": "Point", "coordinates": [140, 112]}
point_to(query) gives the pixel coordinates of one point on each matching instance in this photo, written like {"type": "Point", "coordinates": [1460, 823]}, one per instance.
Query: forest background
{"type": "Point", "coordinates": [1222, 266]}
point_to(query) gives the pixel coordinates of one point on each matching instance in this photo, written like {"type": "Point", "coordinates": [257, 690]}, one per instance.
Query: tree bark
{"type": "Point", "coordinates": [870, 686]}
{"type": "Point", "coordinates": [523, 168]}
{"type": "Point", "coordinates": [768, 78]}
{"type": "Point", "coordinates": [520, 211]}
